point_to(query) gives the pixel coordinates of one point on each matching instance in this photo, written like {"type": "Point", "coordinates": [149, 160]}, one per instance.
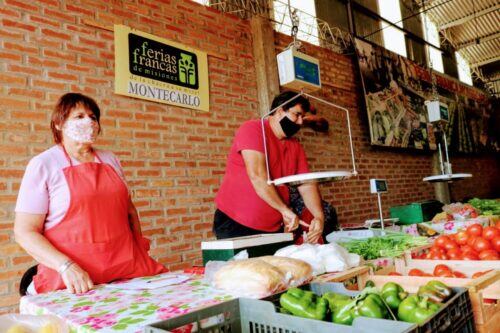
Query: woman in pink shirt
{"type": "Point", "coordinates": [74, 214]}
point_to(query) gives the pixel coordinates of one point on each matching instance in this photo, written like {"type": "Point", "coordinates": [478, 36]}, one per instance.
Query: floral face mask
{"type": "Point", "coordinates": [82, 130]}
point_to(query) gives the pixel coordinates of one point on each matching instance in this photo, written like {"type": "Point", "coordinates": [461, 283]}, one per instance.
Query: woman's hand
{"type": "Point", "coordinates": [76, 279]}
{"type": "Point", "coordinates": [291, 220]}
{"type": "Point", "coordinates": [315, 230]}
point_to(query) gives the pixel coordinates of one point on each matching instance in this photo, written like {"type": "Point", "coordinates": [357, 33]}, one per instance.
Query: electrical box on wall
{"type": "Point", "coordinates": [437, 111]}
{"type": "Point", "coordinates": [298, 71]}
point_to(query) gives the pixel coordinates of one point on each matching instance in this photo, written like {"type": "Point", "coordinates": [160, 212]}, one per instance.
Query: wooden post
{"type": "Point", "coordinates": [266, 67]}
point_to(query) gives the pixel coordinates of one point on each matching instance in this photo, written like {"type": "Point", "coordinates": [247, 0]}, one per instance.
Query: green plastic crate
{"type": "Point", "coordinates": [416, 212]}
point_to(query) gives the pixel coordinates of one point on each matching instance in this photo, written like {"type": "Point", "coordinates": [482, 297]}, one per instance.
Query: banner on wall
{"type": "Point", "coordinates": [395, 89]}
{"type": "Point", "coordinates": [156, 69]}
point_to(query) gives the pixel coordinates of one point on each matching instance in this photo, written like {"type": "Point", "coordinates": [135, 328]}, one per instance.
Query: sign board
{"type": "Point", "coordinates": [156, 69]}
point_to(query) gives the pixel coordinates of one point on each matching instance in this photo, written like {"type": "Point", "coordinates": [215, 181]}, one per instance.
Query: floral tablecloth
{"type": "Point", "coordinates": [105, 309]}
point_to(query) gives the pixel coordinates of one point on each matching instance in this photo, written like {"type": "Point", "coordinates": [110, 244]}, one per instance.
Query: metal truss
{"type": "Point", "coordinates": [311, 29]}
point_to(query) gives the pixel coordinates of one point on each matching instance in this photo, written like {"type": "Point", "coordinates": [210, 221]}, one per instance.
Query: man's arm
{"type": "Point", "coordinates": [312, 200]}
{"type": "Point", "coordinates": [255, 165]}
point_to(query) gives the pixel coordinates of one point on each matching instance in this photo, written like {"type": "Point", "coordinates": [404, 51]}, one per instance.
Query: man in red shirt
{"type": "Point", "coordinates": [246, 203]}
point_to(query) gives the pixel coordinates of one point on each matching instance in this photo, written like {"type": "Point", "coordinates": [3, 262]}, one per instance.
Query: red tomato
{"type": "Point", "coordinates": [461, 238]}
{"type": "Point", "coordinates": [489, 255]}
{"type": "Point", "coordinates": [471, 240]}
{"type": "Point", "coordinates": [450, 245]}
{"type": "Point", "coordinates": [415, 272]}
{"type": "Point", "coordinates": [469, 256]}
{"type": "Point", "coordinates": [478, 274]}
{"type": "Point", "coordinates": [441, 240]}
{"type": "Point", "coordinates": [497, 225]}
{"type": "Point", "coordinates": [455, 254]}
{"type": "Point", "coordinates": [448, 274]}
{"type": "Point", "coordinates": [480, 244]}
{"type": "Point", "coordinates": [475, 230]}
{"type": "Point", "coordinates": [427, 274]}
{"type": "Point", "coordinates": [395, 274]}
{"type": "Point", "coordinates": [467, 248]}
{"type": "Point", "coordinates": [440, 268]}
{"type": "Point", "coordinates": [459, 275]}
{"type": "Point", "coordinates": [490, 232]}
{"type": "Point", "coordinates": [438, 256]}
{"type": "Point", "coordinates": [495, 243]}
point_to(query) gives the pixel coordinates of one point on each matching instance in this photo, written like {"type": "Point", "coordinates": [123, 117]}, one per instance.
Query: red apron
{"type": "Point", "coordinates": [95, 232]}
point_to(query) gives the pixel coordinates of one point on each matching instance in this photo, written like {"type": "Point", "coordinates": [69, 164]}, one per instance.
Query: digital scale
{"type": "Point", "coordinates": [438, 115]}
{"type": "Point", "coordinates": [300, 72]}
{"type": "Point", "coordinates": [379, 186]}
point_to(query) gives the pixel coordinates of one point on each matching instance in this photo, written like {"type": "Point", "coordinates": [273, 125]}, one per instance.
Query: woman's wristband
{"type": "Point", "coordinates": [65, 266]}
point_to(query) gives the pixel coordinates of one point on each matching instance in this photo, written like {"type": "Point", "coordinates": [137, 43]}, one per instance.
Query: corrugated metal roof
{"type": "Point", "coordinates": [473, 27]}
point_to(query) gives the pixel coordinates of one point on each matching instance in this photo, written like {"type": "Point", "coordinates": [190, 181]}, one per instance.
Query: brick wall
{"type": "Point", "coordinates": [174, 158]}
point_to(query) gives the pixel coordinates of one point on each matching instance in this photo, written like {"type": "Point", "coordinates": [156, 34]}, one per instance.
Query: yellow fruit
{"type": "Point", "coordinates": [17, 329]}
{"type": "Point", "coordinates": [48, 328]}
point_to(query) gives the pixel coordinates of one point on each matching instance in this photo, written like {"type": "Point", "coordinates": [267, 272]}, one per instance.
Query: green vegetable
{"type": "Point", "coordinates": [369, 283]}
{"type": "Point", "coordinates": [435, 291]}
{"type": "Point", "coordinates": [344, 308]}
{"type": "Point", "coordinates": [390, 245]}
{"type": "Point", "coordinates": [393, 294]}
{"type": "Point", "coordinates": [372, 306]}
{"type": "Point", "coordinates": [304, 304]}
{"type": "Point", "coordinates": [416, 309]}
{"type": "Point", "coordinates": [486, 206]}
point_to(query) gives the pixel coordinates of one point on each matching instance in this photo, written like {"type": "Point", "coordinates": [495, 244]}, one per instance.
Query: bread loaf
{"type": "Point", "coordinates": [252, 277]}
{"type": "Point", "coordinates": [297, 271]}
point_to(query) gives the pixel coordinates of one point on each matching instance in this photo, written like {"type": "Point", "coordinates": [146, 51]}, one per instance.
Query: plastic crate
{"type": "Point", "coordinates": [416, 212]}
{"type": "Point", "coordinates": [322, 288]}
{"type": "Point", "coordinates": [244, 315]}
{"type": "Point", "coordinates": [456, 316]}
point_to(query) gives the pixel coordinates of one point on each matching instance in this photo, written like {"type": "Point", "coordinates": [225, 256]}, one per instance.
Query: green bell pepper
{"type": "Point", "coordinates": [333, 298]}
{"type": "Point", "coordinates": [371, 306]}
{"type": "Point", "coordinates": [345, 309]}
{"type": "Point", "coordinates": [393, 294]}
{"type": "Point", "coordinates": [436, 291]}
{"type": "Point", "coordinates": [304, 304]}
{"type": "Point", "coordinates": [416, 309]}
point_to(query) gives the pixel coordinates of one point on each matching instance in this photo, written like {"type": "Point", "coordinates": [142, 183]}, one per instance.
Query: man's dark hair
{"type": "Point", "coordinates": [285, 96]}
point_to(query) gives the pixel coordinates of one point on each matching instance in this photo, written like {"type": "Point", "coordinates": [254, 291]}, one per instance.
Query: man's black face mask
{"type": "Point", "coordinates": [289, 127]}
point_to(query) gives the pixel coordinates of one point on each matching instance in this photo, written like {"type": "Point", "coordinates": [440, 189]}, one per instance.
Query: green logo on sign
{"type": "Point", "coordinates": [187, 69]}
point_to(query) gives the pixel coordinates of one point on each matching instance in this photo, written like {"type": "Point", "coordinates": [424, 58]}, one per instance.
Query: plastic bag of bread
{"type": "Point", "coordinates": [250, 277]}
{"type": "Point", "coordinates": [296, 271]}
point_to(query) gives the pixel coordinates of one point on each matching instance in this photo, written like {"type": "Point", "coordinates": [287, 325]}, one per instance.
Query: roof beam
{"type": "Point", "coordinates": [485, 62]}
{"type": "Point", "coordinates": [469, 17]}
{"type": "Point", "coordinates": [478, 40]}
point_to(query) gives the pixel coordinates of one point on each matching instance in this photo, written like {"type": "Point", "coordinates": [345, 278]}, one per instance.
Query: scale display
{"type": "Point", "coordinates": [306, 70]}
{"type": "Point", "coordinates": [378, 185]}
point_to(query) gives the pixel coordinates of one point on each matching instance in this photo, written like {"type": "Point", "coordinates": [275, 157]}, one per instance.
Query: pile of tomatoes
{"type": "Point", "coordinates": [475, 243]}
{"type": "Point", "coordinates": [442, 271]}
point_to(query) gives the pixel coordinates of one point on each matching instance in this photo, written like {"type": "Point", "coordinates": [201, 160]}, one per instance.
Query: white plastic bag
{"type": "Point", "coordinates": [20, 323]}
{"type": "Point", "coordinates": [323, 258]}
{"type": "Point", "coordinates": [305, 252]}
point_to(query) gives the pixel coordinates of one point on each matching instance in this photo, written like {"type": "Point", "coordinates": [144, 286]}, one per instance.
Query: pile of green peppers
{"type": "Point", "coordinates": [392, 302]}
